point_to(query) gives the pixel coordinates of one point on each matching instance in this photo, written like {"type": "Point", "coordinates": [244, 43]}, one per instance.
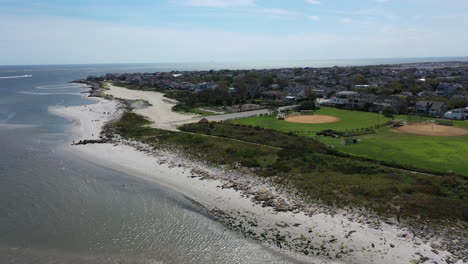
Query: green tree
{"type": "Point", "coordinates": [307, 105]}
{"type": "Point", "coordinates": [388, 111]}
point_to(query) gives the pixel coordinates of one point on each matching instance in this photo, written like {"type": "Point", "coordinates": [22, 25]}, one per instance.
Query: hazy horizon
{"type": "Point", "coordinates": [275, 63]}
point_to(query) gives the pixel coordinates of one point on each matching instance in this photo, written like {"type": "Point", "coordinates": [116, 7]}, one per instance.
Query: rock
{"type": "Point", "coordinates": [280, 205]}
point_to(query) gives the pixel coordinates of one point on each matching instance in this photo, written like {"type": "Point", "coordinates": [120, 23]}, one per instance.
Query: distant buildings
{"type": "Point", "coordinates": [446, 89]}
{"type": "Point", "coordinates": [431, 108]}
{"type": "Point", "coordinates": [459, 113]}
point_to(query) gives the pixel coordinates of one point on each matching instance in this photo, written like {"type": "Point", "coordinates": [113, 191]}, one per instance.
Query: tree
{"type": "Point", "coordinates": [388, 111]}
{"type": "Point", "coordinates": [457, 103]}
{"type": "Point", "coordinates": [307, 105]}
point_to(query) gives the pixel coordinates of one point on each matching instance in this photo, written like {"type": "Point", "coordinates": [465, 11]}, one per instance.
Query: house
{"type": "Point", "coordinates": [431, 108]}
{"type": "Point", "coordinates": [274, 95]}
{"type": "Point", "coordinates": [426, 93]}
{"type": "Point", "coordinates": [362, 86]}
{"type": "Point", "coordinates": [459, 113]}
{"type": "Point", "coordinates": [352, 100]}
{"type": "Point", "coordinates": [337, 101]}
{"type": "Point", "coordinates": [360, 101]}
{"type": "Point", "coordinates": [187, 86]}
{"type": "Point", "coordinates": [446, 89]}
{"type": "Point", "coordinates": [321, 93]}
{"type": "Point", "coordinates": [340, 98]}
{"type": "Point", "coordinates": [463, 95]}
{"type": "Point", "coordinates": [394, 102]}
{"type": "Point", "coordinates": [297, 92]}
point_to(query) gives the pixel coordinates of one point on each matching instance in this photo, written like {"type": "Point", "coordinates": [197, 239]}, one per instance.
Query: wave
{"type": "Point", "coordinates": [13, 126]}
{"type": "Point", "coordinates": [10, 116]}
{"type": "Point", "coordinates": [59, 86]}
{"type": "Point", "coordinates": [15, 77]}
{"type": "Point", "coordinates": [34, 93]}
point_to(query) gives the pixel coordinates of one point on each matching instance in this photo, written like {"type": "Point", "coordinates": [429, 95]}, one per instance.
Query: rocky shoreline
{"type": "Point", "coordinates": [298, 236]}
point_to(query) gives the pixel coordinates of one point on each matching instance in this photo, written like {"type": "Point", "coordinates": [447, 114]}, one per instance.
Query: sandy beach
{"type": "Point", "coordinates": [341, 236]}
{"type": "Point", "coordinates": [159, 112]}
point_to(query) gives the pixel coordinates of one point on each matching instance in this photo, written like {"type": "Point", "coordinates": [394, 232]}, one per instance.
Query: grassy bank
{"type": "Point", "coordinates": [308, 167]}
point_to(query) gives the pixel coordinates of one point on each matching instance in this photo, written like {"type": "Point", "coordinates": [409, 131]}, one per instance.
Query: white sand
{"type": "Point", "coordinates": [331, 232]}
{"type": "Point", "coordinates": [160, 110]}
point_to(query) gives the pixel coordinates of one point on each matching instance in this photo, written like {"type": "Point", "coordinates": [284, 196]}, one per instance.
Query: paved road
{"type": "Point", "coordinates": [225, 117]}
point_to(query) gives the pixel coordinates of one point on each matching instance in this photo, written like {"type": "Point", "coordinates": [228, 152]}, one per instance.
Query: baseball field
{"type": "Point", "coordinates": [419, 144]}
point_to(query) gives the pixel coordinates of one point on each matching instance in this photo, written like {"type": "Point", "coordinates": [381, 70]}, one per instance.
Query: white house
{"type": "Point", "coordinates": [337, 101]}
{"type": "Point", "coordinates": [459, 113]}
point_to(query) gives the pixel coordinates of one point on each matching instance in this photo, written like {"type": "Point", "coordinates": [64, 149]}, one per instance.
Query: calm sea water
{"type": "Point", "coordinates": [56, 208]}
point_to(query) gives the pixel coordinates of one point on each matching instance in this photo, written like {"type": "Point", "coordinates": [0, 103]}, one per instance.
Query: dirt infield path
{"type": "Point", "coordinates": [312, 119]}
{"type": "Point", "coordinates": [432, 130]}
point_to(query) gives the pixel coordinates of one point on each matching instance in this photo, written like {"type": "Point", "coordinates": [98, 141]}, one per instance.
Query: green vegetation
{"type": "Point", "coordinates": [185, 98]}
{"type": "Point", "coordinates": [310, 167]}
{"type": "Point", "coordinates": [435, 153]}
{"type": "Point", "coordinates": [349, 120]}
{"type": "Point", "coordinates": [133, 86]}
{"type": "Point", "coordinates": [444, 154]}
{"type": "Point", "coordinates": [211, 149]}
{"type": "Point", "coordinates": [307, 105]}
{"type": "Point", "coordinates": [387, 111]}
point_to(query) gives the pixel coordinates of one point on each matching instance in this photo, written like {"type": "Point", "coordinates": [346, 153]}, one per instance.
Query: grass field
{"type": "Point", "coordinates": [428, 152]}
{"type": "Point", "coordinates": [349, 120]}
{"type": "Point", "coordinates": [435, 153]}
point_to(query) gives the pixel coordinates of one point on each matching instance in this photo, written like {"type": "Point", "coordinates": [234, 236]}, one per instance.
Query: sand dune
{"type": "Point", "coordinates": [161, 110]}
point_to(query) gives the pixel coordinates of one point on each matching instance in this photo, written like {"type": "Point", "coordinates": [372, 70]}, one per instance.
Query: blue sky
{"type": "Point", "coordinates": [113, 31]}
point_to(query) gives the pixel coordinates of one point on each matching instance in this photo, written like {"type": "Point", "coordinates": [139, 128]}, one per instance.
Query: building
{"type": "Point", "coordinates": [431, 108]}
{"type": "Point", "coordinates": [274, 95]}
{"type": "Point", "coordinates": [459, 113]}
{"type": "Point", "coordinates": [446, 89]}
{"type": "Point", "coordinates": [394, 102]}
{"type": "Point", "coordinates": [340, 98]}
{"type": "Point", "coordinates": [297, 92]}
{"type": "Point", "coordinates": [360, 101]}
{"type": "Point", "coordinates": [463, 95]}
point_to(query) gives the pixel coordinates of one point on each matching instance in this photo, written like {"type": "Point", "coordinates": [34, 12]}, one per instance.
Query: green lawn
{"type": "Point", "coordinates": [349, 120]}
{"type": "Point", "coordinates": [435, 153]}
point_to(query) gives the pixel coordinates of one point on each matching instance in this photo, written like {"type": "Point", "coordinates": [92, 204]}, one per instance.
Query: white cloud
{"type": "Point", "coordinates": [346, 20]}
{"type": "Point", "coordinates": [279, 12]}
{"type": "Point", "coordinates": [315, 18]}
{"type": "Point", "coordinates": [314, 2]}
{"type": "Point", "coordinates": [220, 3]}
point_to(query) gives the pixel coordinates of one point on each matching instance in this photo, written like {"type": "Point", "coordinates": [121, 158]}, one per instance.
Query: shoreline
{"type": "Point", "coordinates": [247, 204]}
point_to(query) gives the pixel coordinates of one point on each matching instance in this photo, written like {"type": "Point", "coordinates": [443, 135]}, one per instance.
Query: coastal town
{"type": "Point", "coordinates": [370, 148]}
{"type": "Point", "coordinates": [428, 89]}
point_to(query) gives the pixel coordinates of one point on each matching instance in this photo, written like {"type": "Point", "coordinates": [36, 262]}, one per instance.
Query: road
{"type": "Point", "coordinates": [226, 117]}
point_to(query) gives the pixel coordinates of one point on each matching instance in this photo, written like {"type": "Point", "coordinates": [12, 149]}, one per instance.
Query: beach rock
{"type": "Point", "coordinates": [281, 205]}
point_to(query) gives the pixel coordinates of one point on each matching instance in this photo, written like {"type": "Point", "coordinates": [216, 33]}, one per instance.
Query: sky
{"type": "Point", "coordinates": [152, 31]}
